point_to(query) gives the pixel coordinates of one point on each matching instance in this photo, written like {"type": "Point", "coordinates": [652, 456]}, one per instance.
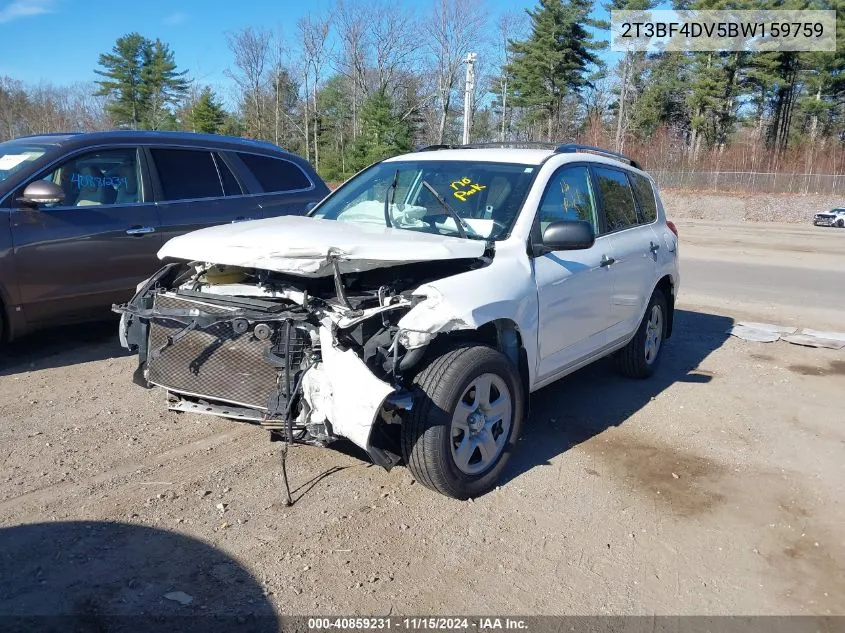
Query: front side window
{"type": "Point", "coordinates": [275, 174]}
{"type": "Point", "coordinates": [619, 209]}
{"type": "Point", "coordinates": [475, 200]}
{"type": "Point", "coordinates": [101, 177]}
{"type": "Point", "coordinates": [186, 174]}
{"type": "Point", "coordinates": [568, 196]}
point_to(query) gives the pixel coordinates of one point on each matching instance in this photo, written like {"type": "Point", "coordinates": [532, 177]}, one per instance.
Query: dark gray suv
{"type": "Point", "coordinates": [82, 216]}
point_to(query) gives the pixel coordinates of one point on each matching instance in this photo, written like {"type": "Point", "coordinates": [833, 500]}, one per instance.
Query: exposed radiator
{"type": "Point", "coordinates": [216, 362]}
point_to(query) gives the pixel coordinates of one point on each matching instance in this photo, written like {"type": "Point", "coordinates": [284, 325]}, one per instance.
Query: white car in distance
{"type": "Point", "coordinates": [418, 306]}
{"type": "Point", "coordinates": [835, 217]}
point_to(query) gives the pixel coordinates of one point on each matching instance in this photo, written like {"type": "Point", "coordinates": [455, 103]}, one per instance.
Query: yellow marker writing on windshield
{"type": "Point", "coordinates": [462, 195]}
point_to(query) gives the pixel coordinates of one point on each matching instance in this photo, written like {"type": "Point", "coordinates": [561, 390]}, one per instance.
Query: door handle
{"type": "Point", "coordinates": [140, 230]}
{"type": "Point", "coordinates": [653, 247]}
{"type": "Point", "coordinates": [607, 261]}
{"type": "Point", "coordinates": [241, 219]}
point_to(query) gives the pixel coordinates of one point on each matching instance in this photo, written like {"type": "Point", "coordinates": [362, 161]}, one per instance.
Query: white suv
{"type": "Point", "coordinates": [418, 306]}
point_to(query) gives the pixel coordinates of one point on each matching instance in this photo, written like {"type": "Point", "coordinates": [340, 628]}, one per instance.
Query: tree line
{"type": "Point", "coordinates": [370, 79]}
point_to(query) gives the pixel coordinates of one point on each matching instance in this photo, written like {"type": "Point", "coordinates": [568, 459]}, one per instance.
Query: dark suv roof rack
{"type": "Point", "coordinates": [558, 148]}
{"type": "Point", "coordinates": [570, 148]}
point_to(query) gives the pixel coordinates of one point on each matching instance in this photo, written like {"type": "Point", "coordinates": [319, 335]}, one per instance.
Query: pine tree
{"type": "Point", "coordinates": [162, 86]}
{"type": "Point", "coordinates": [556, 60]}
{"type": "Point", "coordinates": [663, 100]}
{"type": "Point", "coordinates": [207, 114]}
{"type": "Point", "coordinates": [383, 134]}
{"type": "Point", "coordinates": [122, 83]}
{"type": "Point", "coordinates": [141, 83]}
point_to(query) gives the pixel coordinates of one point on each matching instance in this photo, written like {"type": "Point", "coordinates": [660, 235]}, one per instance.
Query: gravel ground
{"type": "Point", "coordinates": [716, 487]}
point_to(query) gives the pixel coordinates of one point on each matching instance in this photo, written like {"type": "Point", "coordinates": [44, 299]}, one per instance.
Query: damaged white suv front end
{"type": "Point", "coordinates": [404, 316]}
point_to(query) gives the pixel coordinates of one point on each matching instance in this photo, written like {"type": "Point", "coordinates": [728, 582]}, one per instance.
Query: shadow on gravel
{"type": "Point", "coordinates": [584, 404]}
{"type": "Point", "coordinates": [60, 347]}
{"type": "Point", "coordinates": [97, 576]}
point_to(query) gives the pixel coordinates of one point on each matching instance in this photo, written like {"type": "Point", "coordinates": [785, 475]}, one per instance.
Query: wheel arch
{"type": "Point", "coordinates": [667, 286]}
{"type": "Point", "coordinates": [502, 334]}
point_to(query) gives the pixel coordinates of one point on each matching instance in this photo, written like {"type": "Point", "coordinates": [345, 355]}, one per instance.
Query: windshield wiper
{"type": "Point", "coordinates": [389, 197]}
{"type": "Point", "coordinates": [461, 226]}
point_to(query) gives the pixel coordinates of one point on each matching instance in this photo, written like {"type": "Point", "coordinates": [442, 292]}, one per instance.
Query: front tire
{"type": "Point", "coordinates": [465, 422]}
{"type": "Point", "coordinates": [641, 356]}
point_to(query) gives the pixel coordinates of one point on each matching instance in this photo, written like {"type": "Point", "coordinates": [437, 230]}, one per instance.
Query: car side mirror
{"type": "Point", "coordinates": [566, 235]}
{"type": "Point", "coordinates": [42, 192]}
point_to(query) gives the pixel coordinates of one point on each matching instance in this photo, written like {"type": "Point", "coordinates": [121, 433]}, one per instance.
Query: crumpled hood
{"type": "Point", "coordinates": [303, 246]}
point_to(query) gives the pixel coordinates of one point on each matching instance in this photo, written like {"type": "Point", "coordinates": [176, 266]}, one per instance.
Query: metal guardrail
{"type": "Point", "coordinates": [752, 182]}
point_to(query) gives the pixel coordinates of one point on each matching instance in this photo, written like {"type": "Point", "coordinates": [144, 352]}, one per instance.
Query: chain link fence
{"type": "Point", "coordinates": [752, 182]}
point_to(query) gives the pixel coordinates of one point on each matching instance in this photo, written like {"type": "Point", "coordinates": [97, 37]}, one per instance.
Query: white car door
{"type": "Point", "coordinates": [573, 287]}
{"type": "Point", "coordinates": [635, 248]}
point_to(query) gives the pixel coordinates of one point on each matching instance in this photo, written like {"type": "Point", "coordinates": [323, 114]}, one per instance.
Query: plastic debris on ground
{"type": "Point", "coordinates": [817, 338]}
{"type": "Point", "coordinates": [769, 327]}
{"type": "Point", "coordinates": [756, 332]}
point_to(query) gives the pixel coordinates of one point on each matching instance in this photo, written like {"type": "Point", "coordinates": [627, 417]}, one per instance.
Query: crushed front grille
{"type": "Point", "coordinates": [215, 362]}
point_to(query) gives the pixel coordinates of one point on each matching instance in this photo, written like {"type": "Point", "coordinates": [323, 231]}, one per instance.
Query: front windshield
{"type": "Point", "coordinates": [15, 155]}
{"type": "Point", "coordinates": [474, 200]}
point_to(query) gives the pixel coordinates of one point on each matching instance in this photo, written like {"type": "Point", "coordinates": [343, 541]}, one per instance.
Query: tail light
{"type": "Point", "coordinates": [672, 227]}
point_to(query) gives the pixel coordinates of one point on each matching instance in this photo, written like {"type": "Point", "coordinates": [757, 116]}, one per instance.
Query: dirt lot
{"type": "Point", "coordinates": [717, 487]}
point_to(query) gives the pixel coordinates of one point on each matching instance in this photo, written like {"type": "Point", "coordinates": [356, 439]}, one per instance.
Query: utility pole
{"type": "Point", "coordinates": [469, 88]}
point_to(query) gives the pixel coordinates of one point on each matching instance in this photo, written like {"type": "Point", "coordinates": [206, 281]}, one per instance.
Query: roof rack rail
{"type": "Point", "coordinates": [495, 144]}
{"type": "Point", "coordinates": [571, 148]}
{"type": "Point", "coordinates": [557, 147]}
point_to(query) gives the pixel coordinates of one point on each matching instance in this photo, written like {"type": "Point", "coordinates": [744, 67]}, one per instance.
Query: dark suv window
{"type": "Point", "coordinates": [275, 174]}
{"type": "Point", "coordinates": [187, 174]}
{"type": "Point", "coordinates": [645, 197]}
{"type": "Point", "coordinates": [619, 208]}
{"type": "Point", "coordinates": [230, 184]}
{"type": "Point", "coordinates": [108, 176]}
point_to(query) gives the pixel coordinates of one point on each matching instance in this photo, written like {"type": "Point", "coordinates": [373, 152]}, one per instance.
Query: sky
{"type": "Point", "coordinates": [59, 41]}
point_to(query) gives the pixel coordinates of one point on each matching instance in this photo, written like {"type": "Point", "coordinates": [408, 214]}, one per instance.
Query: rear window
{"type": "Point", "coordinates": [275, 174]}
{"type": "Point", "coordinates": [187, 174]}
{"type": "Point", "coordinates": [645, 197]}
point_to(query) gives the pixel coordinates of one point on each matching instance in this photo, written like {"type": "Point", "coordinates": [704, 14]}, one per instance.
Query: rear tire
{"type": "Point", "coordinates": [840, 223]}
{"type": "Point", "coordinates": [466, 419]}
{"type": "Point", "coordinates": [641, 356]}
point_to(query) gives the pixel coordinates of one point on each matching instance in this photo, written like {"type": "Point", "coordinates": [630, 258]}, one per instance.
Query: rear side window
{"type": "Point", "coordinates": [275, 174]}
{"type": "Point", "coordinates": [187, 174]}
{"type": "Point", "coordinates": [619, 209]}
{"type": "Point", "coordinates": [645, 197]}
{"type": "Point", "coordinates": [230, 183]}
